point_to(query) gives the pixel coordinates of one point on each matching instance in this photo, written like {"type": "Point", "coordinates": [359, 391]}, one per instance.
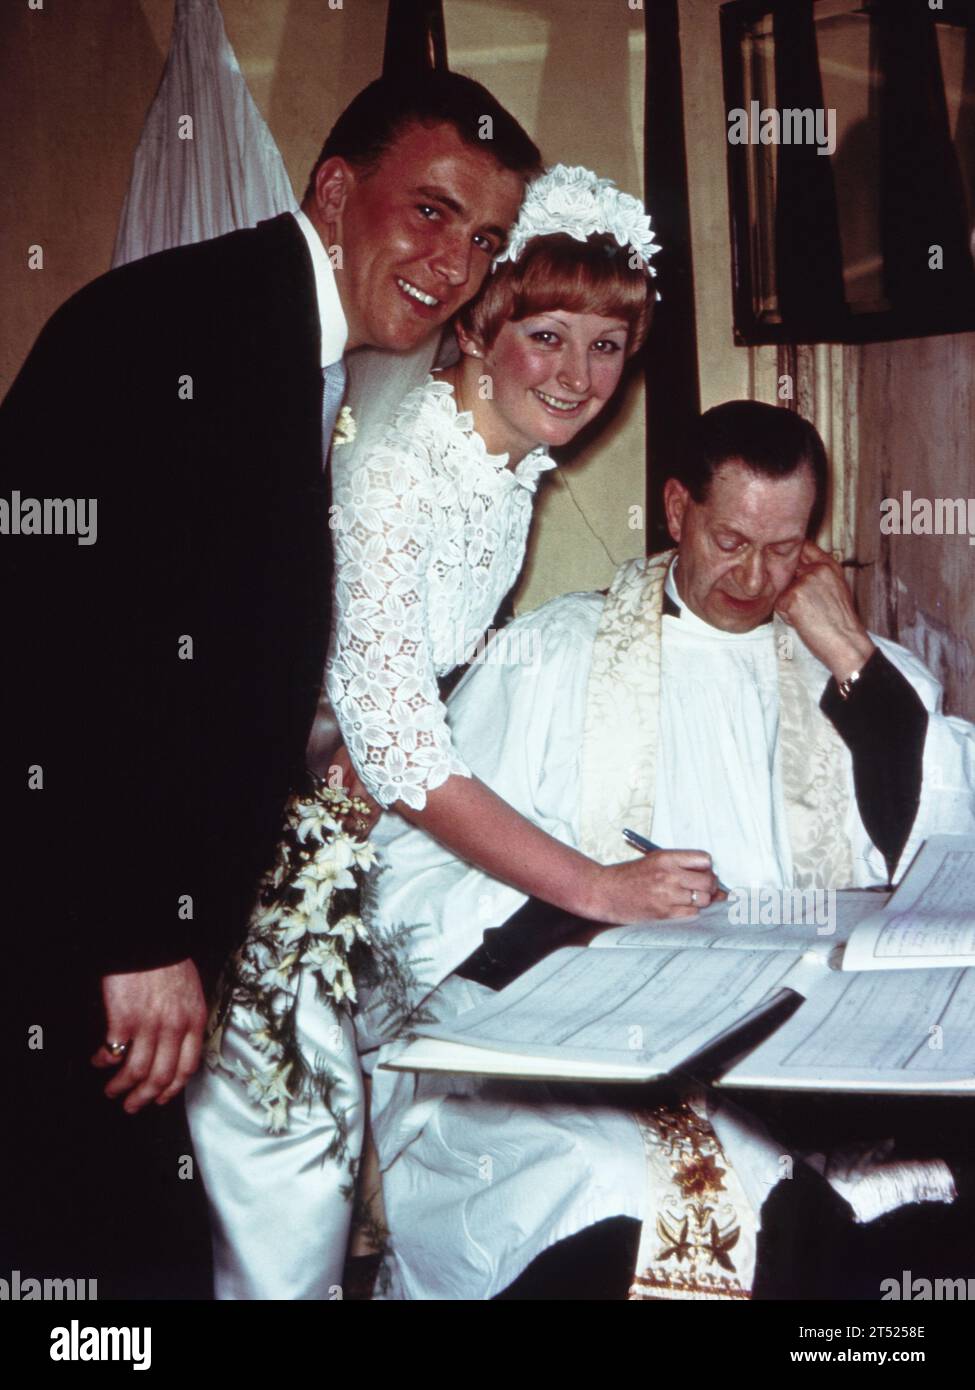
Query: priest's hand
{"type": "Point", "coordinates": [160, 1016]}
{"type": "Point", "coordinates": [663, 883]}
{"type": "Point", "coordinates": [818, 604]}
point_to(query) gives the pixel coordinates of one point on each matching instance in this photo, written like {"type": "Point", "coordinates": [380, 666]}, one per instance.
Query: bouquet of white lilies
{"type": "Point", "coordinates": [306, 923]}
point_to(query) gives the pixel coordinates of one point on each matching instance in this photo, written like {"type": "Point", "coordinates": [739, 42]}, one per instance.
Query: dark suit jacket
{"type": "Point", "coordinates": [164, 777]}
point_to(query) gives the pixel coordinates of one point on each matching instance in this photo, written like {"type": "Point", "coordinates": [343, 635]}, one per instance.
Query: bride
{"type": "Point", "coordinates": [430, 531]}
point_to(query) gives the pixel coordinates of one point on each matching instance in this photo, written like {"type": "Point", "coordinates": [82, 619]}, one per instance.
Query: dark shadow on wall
{"type": "Point", "coordinates": [339, 50]}
{"type": "Point", "coordinates": [603, 104]}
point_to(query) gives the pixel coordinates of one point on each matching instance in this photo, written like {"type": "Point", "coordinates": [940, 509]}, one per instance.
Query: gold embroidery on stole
{"type": "Point", "coordinates": [707, 1236]}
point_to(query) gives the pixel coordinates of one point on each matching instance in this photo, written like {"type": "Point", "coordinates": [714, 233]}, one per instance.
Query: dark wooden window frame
{"type": "Point", "coordinates": [950, 313]}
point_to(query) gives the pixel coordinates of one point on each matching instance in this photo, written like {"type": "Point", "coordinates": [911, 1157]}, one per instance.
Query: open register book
{"type": "Point", "coordinates": [876, 998]}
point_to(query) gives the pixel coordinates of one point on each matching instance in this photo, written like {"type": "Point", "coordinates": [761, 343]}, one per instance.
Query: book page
{"type": "Point", "coordinates": [621, 1014]}
{"type": "Point", "coordinates": [873, 1032]}
{"type": "Point", "coordinates": [461, 1059]}
{"type": "Point", "coordinates": [819, 924]}
{"type": "Point", "coordinates": [930, 919]}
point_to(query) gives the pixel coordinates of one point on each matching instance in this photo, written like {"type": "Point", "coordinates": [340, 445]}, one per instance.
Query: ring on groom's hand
{"type": "Point", "coordinates": [117, 1049]}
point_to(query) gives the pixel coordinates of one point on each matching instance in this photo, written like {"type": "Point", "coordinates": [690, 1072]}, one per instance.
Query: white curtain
{"type": "Point", "coordinates": [824, 384]}
{"type": "Point", "coordinates": [206, 162]}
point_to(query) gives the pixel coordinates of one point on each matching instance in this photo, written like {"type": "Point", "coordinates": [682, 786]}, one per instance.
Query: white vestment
{"type": "Point", "coordinates": [480, 1178]}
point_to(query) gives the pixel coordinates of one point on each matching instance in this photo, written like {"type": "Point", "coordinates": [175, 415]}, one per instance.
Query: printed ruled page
{"type": "Point", "coordinates": [930, 920]}
{"type": "Point", "coordinates": [614, 1014]}
{"type": "Point", "coordinates": [739, 926]}
{"type": "Point", "coordinates": [873, 1032]}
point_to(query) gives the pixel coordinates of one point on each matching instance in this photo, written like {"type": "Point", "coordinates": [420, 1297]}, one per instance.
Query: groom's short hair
{"type": "Point", "coordinates": [767, 439]}
{"type": "Point", "coordinates": [374, 120]}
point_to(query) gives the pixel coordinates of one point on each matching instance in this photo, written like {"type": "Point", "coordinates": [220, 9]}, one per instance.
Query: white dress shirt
{"type": "Point", "coordinates": [335, 329]}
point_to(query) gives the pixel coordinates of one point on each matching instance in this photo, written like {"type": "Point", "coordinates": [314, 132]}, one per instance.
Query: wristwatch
{"type": "Point", "coordinates": [845, 686]}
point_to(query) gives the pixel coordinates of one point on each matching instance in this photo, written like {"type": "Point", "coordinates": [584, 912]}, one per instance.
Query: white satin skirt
{"type": "Point", "coordinates": [280, 1212]}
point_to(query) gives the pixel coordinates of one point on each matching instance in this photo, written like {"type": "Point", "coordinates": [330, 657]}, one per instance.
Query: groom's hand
{"type": "Point", "coordinates": [161, 1015]}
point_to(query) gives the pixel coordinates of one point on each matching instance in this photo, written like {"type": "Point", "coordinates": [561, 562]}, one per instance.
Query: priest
{"type": "Point", "coordinates": [724, 697]}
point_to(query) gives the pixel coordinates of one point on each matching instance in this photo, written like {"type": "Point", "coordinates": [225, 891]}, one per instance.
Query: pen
{"type": "Point", "coordinates": [641, 842]}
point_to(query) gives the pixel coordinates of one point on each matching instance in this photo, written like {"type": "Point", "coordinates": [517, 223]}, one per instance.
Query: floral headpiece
{"type": "Point", "coordinates": [576, 202]}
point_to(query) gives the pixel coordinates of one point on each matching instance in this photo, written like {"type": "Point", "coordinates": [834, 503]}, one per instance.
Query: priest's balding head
{"type": "Point", "coordinates": [750, 491]}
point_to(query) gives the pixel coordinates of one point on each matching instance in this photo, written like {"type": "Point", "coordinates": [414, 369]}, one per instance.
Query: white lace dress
{"type": "Point", "coordinates": [430, 533]}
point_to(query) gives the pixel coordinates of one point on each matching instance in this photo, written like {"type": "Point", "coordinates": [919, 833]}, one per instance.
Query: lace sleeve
{"type": "Point", "coordinates": [381, 678]}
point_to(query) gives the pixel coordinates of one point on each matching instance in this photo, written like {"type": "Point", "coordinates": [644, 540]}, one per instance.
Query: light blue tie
{"type": "Point", "coordinates": [335, 379]}
{"type": "Point", "coordinates": [325, 734]}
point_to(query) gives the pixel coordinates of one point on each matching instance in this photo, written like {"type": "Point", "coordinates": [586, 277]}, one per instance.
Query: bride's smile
{"type": "Point", "coordinates": [543, 378]}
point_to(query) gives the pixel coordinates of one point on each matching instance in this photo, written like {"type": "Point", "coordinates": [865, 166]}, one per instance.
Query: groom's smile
{"type": "Point", "coordinates": [417, 233]}
{"type": "Point", "coordinates": [429, 300]}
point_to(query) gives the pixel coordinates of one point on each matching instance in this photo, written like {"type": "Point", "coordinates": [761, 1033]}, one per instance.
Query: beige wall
{"type": "Point", "coordinates": [79, 77]}
{"type": "Point", "coordinates": [918, 435]}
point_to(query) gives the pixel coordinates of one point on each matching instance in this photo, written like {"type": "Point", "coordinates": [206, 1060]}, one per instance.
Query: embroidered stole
{"type": "Point", "coordinates": [619, 755]}
{"type": "Point", "coordinates": [699, 1233]}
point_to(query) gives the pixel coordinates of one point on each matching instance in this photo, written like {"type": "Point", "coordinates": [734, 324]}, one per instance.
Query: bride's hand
{"type": "Point", "coordinates": [362, 822]}
{"type": "Point", "coordinates": [665, 883]}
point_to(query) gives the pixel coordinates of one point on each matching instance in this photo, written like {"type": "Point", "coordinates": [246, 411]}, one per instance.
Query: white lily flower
{"type": "Point", "coordinates": [261, 1039]}
{"type": "Point", "coordinates": [294, 929]}
{"type": "Point", "coordinates": [320, 954]}
{"type": "Point", "coordinates": [347, 929]}
{"type": "Point", "coordinates": [278, 977]}
{"type": "Point", "coordinates": [256, 1086]}
{"type": "Point", "coordinates": [330, 965]}
{"type": "Point", "coordinates": [276, 1117]}
{"type": "Point", "coordinates": [268, 917]}
{"type": "Point", "coordinates": [343, 986]}
{"type": "Point", "coordinates": [365, 854]}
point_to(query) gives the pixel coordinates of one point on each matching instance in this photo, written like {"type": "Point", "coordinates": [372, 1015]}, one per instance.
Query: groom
{"type": "Point", "coordinates": [164, 678]}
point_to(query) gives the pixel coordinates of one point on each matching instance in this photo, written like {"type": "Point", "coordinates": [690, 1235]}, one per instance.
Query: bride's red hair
{"type": "Point", "coordinates": [558, 272]}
